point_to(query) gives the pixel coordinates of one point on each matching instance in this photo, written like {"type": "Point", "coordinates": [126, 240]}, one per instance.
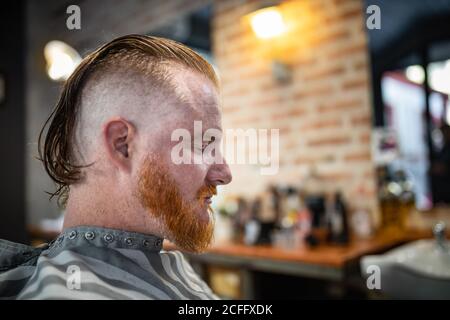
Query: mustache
{"type": "Point", "coordinates": [206, 191]}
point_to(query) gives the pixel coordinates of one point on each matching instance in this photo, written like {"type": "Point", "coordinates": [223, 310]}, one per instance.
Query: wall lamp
{"type": "Point", "coordinates": [61, 60]}
{"type": "Point", "coordinates": [268, 24]}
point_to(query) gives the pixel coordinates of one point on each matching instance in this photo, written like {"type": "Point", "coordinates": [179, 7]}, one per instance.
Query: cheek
{"type": "Point", "coordinates": [190, 178]}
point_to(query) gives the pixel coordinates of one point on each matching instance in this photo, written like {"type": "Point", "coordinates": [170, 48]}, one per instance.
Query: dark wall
{"type": "Point", "coordinates": [101, 21]}
{"type": "Point", "coordinates": [12, 122]}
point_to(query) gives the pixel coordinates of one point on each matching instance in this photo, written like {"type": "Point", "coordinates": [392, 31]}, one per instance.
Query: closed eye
{"type": "Point", "coordinates": [207, 143]}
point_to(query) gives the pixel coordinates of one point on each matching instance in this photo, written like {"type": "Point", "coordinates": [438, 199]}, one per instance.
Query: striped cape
{"type": "Point", "coordinates": [98, 263]}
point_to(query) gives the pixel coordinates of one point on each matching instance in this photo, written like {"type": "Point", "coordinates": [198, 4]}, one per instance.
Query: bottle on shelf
{"type": "Point", "coordinates": [337, 219]}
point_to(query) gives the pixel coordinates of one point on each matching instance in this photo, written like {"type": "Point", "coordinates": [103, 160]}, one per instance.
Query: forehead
{"type": "Point", "coordinates": [198, 98]}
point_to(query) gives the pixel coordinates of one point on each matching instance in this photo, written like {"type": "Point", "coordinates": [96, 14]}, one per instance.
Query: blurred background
{"type": "Point", "coordinates": [359, 92]}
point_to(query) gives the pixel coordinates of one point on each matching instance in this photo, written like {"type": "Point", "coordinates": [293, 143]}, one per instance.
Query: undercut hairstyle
{"type": "Point", "coordinates": [150, 56]}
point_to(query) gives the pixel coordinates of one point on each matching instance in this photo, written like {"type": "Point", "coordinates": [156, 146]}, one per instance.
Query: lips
{"type": "Point", "coordinates": [205, 194]}
{"type": "Point", "coordinates": [208, 199]}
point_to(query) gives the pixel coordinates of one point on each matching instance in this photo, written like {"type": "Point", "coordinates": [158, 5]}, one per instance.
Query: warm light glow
{"type": "Point", "coordinates": [267, 23]}
{"type": "Point", "coordinates": [440, 76]}
{"type": "Point", "coordinates": [61, 59]}
{"type": "Point", "coordinates": [415, 74]}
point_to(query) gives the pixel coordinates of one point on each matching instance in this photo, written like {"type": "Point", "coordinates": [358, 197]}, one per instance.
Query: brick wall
{"type": "Point", "coordinates": [324, 113]}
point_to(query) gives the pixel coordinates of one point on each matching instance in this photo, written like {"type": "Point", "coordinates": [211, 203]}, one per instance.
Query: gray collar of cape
{"type": "Point", "coordinates": [15, 254]}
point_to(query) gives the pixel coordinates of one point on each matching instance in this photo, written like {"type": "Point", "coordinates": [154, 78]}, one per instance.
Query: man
{"type": "Point", "coordinates": [109, 147]}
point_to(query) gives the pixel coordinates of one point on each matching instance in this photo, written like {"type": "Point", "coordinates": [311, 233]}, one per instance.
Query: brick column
{"type": "Point", "coordinates": [324, 114]}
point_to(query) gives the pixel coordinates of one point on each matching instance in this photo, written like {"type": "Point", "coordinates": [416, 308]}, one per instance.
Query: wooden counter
{"type": "Point", "coordinates": [325, 255]}
{"type": "Point", "coordinates": [331, 262]}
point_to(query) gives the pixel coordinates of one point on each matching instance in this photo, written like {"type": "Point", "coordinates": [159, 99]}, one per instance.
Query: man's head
{"type": "Point", "coordinates": [110, 138]}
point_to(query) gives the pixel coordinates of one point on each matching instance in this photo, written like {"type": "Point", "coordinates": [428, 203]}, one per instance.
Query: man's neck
{"type": "Point", "coordinates": [83, 209]}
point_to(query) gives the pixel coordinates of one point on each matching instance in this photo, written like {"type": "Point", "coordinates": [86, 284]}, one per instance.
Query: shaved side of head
{"type": "Point", "coordinates": [130, 94]}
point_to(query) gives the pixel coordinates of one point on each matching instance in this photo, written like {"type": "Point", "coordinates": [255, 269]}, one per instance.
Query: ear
{"type": "Point", "coordinates": [118, 135]}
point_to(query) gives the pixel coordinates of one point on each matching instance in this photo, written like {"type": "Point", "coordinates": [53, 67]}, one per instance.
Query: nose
{"type": "Point", "coordinates": [220, 174]}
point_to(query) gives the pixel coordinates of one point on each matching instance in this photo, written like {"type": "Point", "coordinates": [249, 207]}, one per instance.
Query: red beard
{"type": "Point", "coordinates": [159, 193]}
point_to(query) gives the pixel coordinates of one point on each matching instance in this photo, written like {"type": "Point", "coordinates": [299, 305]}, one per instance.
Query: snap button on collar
{"type": "Point", "coordinates": [89, 235]}
{"type": "Point", "coordinates": [108, 237]}
{"type": "Point", "coordinates": [72, 235]}
{"type": "Point", "coordinates": [129, 241]}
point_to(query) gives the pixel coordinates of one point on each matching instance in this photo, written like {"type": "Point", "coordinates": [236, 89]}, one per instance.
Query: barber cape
{"type": "Point", "coordinates": [98, 263]}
